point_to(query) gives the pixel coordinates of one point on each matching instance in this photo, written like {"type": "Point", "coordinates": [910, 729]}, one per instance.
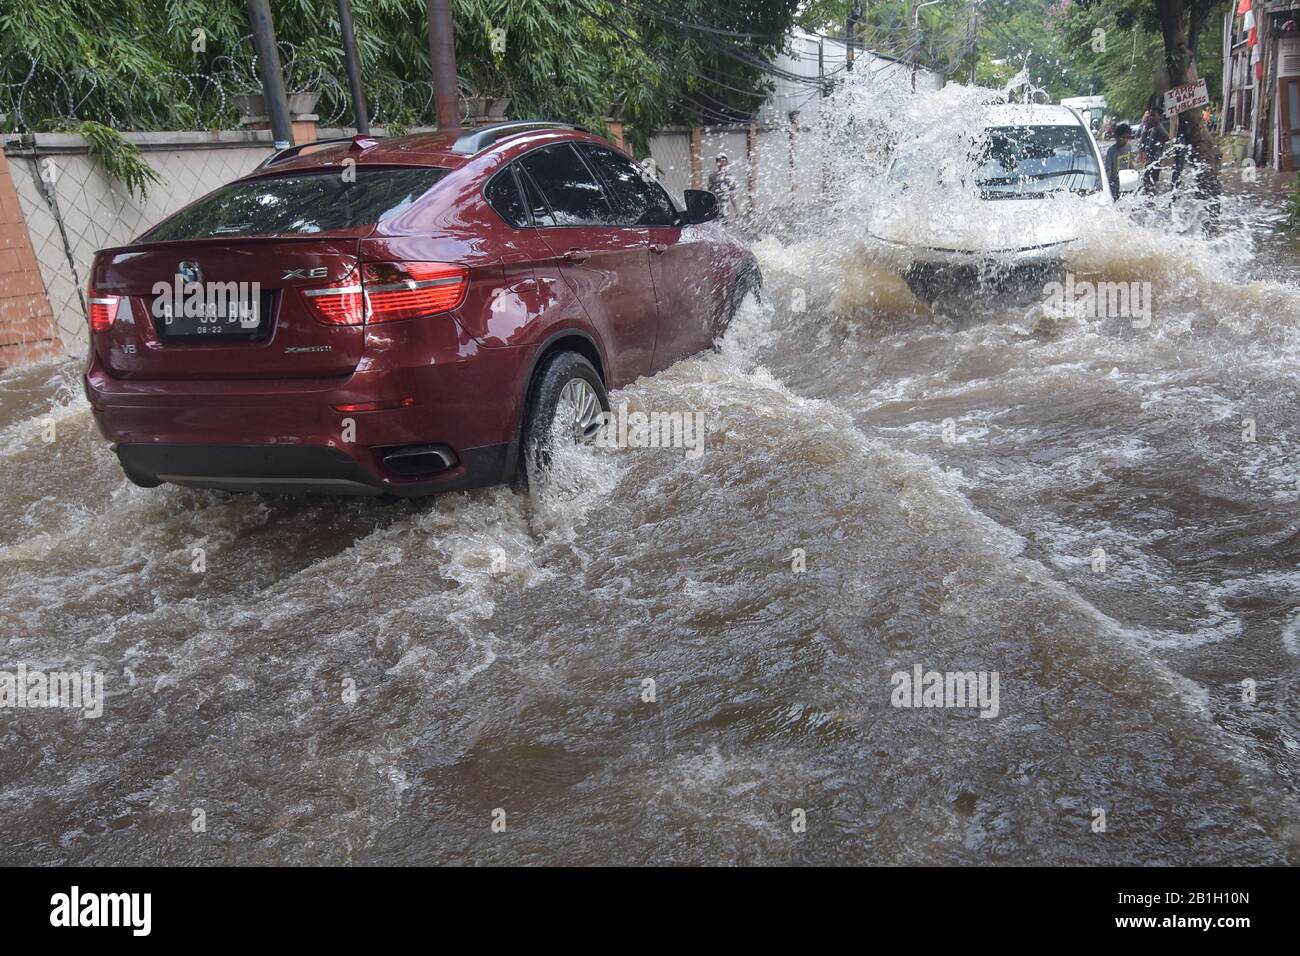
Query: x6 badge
{"type": "Point", "coordinates": [320, 272]}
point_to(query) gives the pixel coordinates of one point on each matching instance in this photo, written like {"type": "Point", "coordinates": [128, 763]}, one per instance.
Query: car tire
{"type": "Point", "coordinates": [926, 282]}
{"type": "Point", "coordinates": [558, 372]}
{"type": "Point", "coordinates": [749, 280]}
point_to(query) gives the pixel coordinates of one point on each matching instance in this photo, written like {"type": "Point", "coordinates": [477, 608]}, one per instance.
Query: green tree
{"type": "Point", "coordinates": [934, 37]}
{"type": "Point", "coordinates": [138, 63]}
{"type": "Point", "coordinates": [1009, 36]}
{"type": "Point", "coordinates": [1181, 28]}
{"type": "Point", "coordinates": [1127, 55]}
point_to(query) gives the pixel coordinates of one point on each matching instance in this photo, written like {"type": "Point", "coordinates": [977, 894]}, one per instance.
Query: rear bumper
{"type": "Point", "coordinates": [301, 468]}
{"type": "Point", "coordinates": [458, 413]}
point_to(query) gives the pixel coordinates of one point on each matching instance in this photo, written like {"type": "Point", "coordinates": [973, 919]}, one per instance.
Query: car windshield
{"type": "Point", "coordinates": [319, 200]}
{"type": "Point", "coordinates": [1024, 161]}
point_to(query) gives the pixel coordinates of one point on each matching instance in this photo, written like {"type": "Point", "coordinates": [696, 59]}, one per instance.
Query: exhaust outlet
{"type": "Point", "coordinates": [418, 461]}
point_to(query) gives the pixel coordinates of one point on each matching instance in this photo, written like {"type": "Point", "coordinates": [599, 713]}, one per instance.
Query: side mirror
{"type": "Point", "coordinates": [701, 206]}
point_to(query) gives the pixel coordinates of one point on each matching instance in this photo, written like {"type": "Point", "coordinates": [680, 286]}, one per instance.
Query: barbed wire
{"type": "Point", "coordinates": [46, 99]}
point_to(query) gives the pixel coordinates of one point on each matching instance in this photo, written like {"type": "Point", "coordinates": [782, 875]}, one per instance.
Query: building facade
{"type": "Point", "coordinates": [1261, 79]}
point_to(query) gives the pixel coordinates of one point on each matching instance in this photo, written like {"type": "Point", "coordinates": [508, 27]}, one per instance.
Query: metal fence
{"type": "Point", "coordinates": [38, 98]}
{"type": "Point", "coordinates": [72, 208]}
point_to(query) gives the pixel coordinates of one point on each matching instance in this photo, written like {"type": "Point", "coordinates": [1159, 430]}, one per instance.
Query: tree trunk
{"type": "Point", "coordinates": [1179, 27]}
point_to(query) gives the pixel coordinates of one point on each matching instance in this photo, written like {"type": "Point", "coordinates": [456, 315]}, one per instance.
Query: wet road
{"type": "Point", "coordinates": [366, 682]}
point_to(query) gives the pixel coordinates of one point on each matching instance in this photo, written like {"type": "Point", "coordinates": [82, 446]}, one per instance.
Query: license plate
{"type": "Point", "coordinates": [233, 319]}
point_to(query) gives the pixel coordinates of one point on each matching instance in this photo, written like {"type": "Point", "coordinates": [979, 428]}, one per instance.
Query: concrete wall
{"type": "Point", "coordinates": [96, 212]}
{"type": "Point", "coordinates": [670, 149]}
{"type": "Point", "coordinates": [784, 158]}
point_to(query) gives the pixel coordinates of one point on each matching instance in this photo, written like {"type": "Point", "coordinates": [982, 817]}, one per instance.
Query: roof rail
{"type": "Point", "coordinates": [481, 137]}
{"type": "Point", "coordinates": [293, 151]}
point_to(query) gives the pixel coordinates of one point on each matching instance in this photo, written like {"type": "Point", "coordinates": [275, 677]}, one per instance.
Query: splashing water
{"type": "Point", "coordinates": [969, 485]}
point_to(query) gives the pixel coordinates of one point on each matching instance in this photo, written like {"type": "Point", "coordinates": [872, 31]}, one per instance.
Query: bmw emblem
{"type": "Point", "coordinates": [190, 272]}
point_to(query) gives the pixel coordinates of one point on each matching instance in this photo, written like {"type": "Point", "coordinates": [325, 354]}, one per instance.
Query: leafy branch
{"type": "Point", "coordinates": [120, 159]}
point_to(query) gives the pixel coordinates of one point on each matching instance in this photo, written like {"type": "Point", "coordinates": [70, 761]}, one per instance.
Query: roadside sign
{"type": "Point", "coordinates": [1187, 97]}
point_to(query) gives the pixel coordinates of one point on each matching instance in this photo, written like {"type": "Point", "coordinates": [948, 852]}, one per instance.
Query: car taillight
{"type": "Point", "coordinates": [339, 306]}
{"type": "Point", "coordinates": [390, 291]}
{"type": "Point", "coordinates": [103, 311]}
{"type": "Point", "coordinates": [409, 290]}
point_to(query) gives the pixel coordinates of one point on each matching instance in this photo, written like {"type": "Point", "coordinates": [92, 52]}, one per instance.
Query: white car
{"type": "Point", "coordinates": [1013, 192]}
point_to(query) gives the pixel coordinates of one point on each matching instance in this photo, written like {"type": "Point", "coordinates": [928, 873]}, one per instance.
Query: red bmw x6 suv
{"type": "Point", "coordinates": [400, 316]}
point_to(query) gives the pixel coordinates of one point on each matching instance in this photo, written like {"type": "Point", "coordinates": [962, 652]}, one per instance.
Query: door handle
{"type": "Point", "coordinates": [658, 248]}
{"type": "Point", "coordinates": [577, 255]}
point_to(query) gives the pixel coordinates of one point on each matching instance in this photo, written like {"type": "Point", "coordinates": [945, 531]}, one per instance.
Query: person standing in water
{"type": "Point", "coordinates": [723, 185]}
{"type": "Point", "coordinates": [1117, 157]}
{"type": "Point", "coordinates": [1152, 145]}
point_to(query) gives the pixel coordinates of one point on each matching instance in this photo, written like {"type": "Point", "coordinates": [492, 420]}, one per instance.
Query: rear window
{"type": "Point", "coordinates": [299, 203]}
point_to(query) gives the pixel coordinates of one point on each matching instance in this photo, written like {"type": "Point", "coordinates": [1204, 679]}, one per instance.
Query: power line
{"type": "Point", "coordinates": [616, 28]}
{"type": "Point", "coordinates": [719, 45]}
{"type": "Point", "coordinates": [720, 41]}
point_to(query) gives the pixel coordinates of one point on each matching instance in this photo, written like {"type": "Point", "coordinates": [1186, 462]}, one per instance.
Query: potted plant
{"type": "Point", "coordinates": [303, 101]}
{"type": "Point", "coordinates": [303, 93]}
{"type": "Point", "coordinates": [303, 84]}
{"type": "Point", "coordinates": [473, 107]}
{"type": "Point", "coordinates": [488, 98]}
{"type": "Point", "coordinates": [251, 106]}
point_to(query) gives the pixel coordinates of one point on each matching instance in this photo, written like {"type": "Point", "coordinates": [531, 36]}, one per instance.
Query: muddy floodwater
{"type": "Point", "coordinates": [1104, 515]}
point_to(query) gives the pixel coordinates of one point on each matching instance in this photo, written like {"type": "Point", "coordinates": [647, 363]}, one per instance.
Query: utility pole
{"type": "Point", "coordinates": [851, 28]}
{"type": "Point", "coordinates": [353, 65]}
{"type": "Point", "coordinates": [268, 68]}
{"type": "Point", "coordinates": [442, 57]}
{"type": "Point", "coordinates": [972, 43]}
{"type": "Point", "coordinates": [916, 30]}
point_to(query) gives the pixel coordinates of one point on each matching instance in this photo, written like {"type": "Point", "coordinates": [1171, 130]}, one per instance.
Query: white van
{"type": "Point", "coordinates": [1091, 108]}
